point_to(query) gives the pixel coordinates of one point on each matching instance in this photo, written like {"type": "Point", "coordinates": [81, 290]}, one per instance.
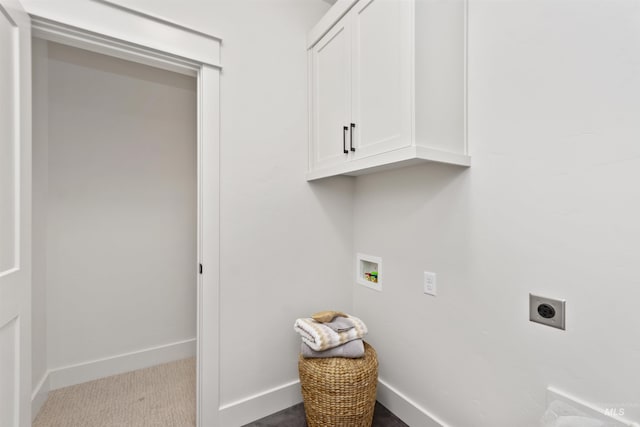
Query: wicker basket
{"type": "Point", "coordinates": [339, 392]}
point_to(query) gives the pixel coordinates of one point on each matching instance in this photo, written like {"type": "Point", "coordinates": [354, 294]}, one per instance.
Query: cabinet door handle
{"type": "Point", "coordinates": [353, 125]}
{"type": "Point", "coordinates": [344, 140]}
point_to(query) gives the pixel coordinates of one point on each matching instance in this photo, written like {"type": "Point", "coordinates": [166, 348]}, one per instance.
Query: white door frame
{"type": "Point", "coordinates": [118, 31]}
{"type": "Point", "coordinates": [15, 200]}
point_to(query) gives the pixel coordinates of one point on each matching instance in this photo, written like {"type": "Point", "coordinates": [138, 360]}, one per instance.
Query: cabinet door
{"type": "Point", "coordinates": [382, 76]}
{"type": "Point", "coordinates": [330, 97]}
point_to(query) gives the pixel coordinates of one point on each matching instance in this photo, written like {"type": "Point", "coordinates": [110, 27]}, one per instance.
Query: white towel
{"type": "Point", "coordinates": [320, 337]}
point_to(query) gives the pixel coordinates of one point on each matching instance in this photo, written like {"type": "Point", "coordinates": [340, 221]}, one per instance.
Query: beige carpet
{"type": "Point", "coordinates": [160, 396]}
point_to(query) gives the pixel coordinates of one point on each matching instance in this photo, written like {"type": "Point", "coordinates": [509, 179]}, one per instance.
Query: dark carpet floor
{"type": "Point", "coordinates": [294, 417]}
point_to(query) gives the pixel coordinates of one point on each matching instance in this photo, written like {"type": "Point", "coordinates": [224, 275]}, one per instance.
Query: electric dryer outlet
{"type": "Point", "coordinates": [547, 311]}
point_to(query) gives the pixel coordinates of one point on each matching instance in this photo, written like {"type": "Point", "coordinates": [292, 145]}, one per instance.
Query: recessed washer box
{"type": "Point", "coordinates": [369, 271]}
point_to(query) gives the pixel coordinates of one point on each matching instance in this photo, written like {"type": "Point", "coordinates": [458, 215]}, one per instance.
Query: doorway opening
{"type": "Point", "coordinates": [115, 193]}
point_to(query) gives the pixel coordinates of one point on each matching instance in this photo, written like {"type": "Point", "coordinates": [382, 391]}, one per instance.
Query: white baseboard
{"type": "Point", "coordinates": [39, 396]}
{"type": "Point", "coordinates": [92, 370]}
{"type": "Point", "coordinates": [260, 405]}
{"type": "Point", "coordinates": [405, 408]}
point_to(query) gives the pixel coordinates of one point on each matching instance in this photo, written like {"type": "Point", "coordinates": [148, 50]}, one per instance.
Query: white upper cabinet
{"type": "Point", "coordinates": [331, 96]}
{"type": "Point", "coordinates": [387, 86]}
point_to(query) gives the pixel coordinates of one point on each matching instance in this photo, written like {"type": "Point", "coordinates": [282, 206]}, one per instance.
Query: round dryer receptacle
{"type": "Point", "coordinates": [546, 311]}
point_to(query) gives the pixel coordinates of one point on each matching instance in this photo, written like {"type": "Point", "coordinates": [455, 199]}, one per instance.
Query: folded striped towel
{"type": "Point", "coordinates": [320, 337]}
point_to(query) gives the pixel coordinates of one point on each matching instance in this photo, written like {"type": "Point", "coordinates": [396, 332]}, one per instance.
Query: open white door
{"type": "Point", "coordinates": [15, 216]}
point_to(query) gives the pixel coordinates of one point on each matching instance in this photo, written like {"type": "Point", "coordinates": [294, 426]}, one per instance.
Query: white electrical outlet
{"type": "Point", "coordinates": [430, 283]}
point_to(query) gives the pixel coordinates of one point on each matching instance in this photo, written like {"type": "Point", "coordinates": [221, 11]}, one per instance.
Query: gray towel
{"type": "Point", "coordinates": [340, 324]}
{"type": "Point", "coordinates": [352, 350]}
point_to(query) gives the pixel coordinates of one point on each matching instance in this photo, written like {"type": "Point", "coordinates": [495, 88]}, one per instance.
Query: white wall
{"type": "Point", "coordinates": [120, 208]}
{"type": "Point", "coordinates": [550, 205]}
